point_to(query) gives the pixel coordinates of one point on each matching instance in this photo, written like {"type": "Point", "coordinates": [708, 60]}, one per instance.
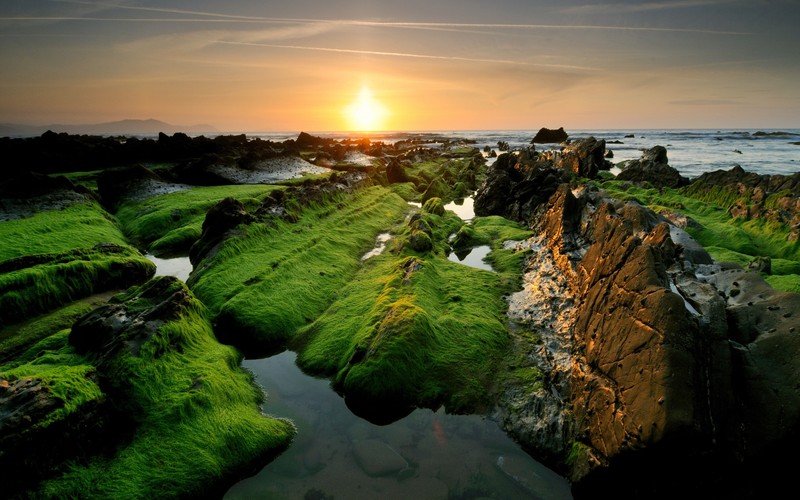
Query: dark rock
{"type": "Point", "coordinates": [550, 136]}
{"type": "Point", "coordinates": [760, 264]}
{"type": "Point", "coordinates": [395, 172]}
{"type": "Point", "coordinates": [583, 157]}
{"type": "Point", "coordinates": [115, 183]}
{"type": "Point", "coordinates": [221, 218]}
{"type": "Point", "coordinates": [31, 184]}
{"type": "Point", "coordinates": [116, 326]}
{"type": "Point", "coordinates": [307, 140]}
{"type": "Point", "coordinates": [673, 359]}
{"type": "Point", "coordinates": [652, 167]}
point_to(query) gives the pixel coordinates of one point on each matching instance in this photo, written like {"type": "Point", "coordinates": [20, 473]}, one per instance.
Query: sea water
{"type": "Point", "coordinates": [691, 152]}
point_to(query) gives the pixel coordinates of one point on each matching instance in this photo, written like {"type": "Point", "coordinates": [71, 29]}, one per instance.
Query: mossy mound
{"type": "Point", "coordinates": [171, 223]}
{"type": "Point", "coordinates": [291, 270]}
{"type": "Point", "coordinates": [410, 332]}
{"type": "Point", "coordinates": [146, 371]}
{"type": "Point", "coordinates": [58, 256]}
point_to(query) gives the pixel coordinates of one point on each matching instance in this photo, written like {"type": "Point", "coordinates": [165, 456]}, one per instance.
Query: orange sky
{"type": "Point", "coordinates": [249, 65]}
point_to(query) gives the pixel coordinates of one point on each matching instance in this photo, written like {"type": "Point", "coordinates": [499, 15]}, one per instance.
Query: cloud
{"type": "Point", "coordinates": [705, 102]}
{"type": "Point", "coordinates": [646, 6]}
{"type": "Point", "coordinates": [217, 17]}
{"type": "Point", "coordinates": [409, 55]}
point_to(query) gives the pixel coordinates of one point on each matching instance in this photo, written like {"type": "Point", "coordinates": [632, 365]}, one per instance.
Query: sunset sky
{"type": "Point", "coordinates": [324, 65]}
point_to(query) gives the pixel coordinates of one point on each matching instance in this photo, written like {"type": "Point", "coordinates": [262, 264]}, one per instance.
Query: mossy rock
{"type": "Point", "coordinates": [420, 241]}
{"type": "Point", "coordinates": [434, 206]}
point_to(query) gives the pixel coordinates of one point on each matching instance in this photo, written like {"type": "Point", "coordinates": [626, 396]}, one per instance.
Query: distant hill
{"type": "Point", "coordinates": [121, 127]}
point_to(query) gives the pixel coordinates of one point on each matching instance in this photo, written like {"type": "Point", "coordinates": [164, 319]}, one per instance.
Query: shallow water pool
{"type": "Point", "coordinates": [424, 455]}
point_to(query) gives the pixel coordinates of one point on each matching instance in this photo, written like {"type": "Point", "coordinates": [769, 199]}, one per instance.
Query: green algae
{"type": "Point", "coordinates": [411, 331]}
{"type": "Point", "coordinates": [726, 238]}
{"type": "Point", "coordinates": [291, 271]}
{"type": "Point", "coordinates": [80, 225]}
{"type": "Point", "coordinates": [194, 410]}
{"type": "Point", "coordinates": [169, 224]}
{"type": "Point", "coordinates": [57, 256]}
{"type": "Point", "coordinates": [415, 329]}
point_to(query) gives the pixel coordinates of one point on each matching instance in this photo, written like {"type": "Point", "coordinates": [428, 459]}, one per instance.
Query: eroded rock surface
{"type": "Point", "coordinates": [652, 167]}
{"type": "Point", "coordinates": [663, 371]}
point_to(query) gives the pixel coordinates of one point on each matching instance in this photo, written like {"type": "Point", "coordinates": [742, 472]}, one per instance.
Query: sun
{"type": "Point", "coordinates": [365, 113]}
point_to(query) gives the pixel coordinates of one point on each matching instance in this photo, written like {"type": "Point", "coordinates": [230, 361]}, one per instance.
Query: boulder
{"type": "Point", "coordinates": [584, 157]}
{"type": "Point", "coordinates": [221, 218]}
{"type": "Point", "coordinates": [550, 136]}
{"type": "Point", "coordinates": [395, 173]}
{"type": "Point", "coordinates": [653, 168]}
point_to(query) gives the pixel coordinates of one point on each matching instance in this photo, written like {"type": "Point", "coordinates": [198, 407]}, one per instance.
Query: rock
{"type": "Point", "coordinates": [760, 264]}
{"type": "Point", "coordinates": [748, 195]}
{"type": "Point", "coordinates": [514, 189]}
{"type": "Point", "coordinates": [420, 241]}
{"type": "Point", "coordinates": [434, 206]}
{"type": "Point", "coordinates": [395, 172]}
{"type": "Point", "coordinates": [33, 184]}
{"type": "Point", "coordinates": [115, 184]}
{"type": "Point", "coordinates": [221, 218]}
{"type": "Point", "coordinates": [652, 167]}
{"type": "Point", "coordinates": [672, 358]}
{"type": "Point", "coordinates": [584, 157]}
{"type": "Point", "coordinates": [377, 459]}
{"type": "Point", "coordinates": [116, 326]}
{"type": "Point", "coordinates": [550, 136]}
{"type": "Point", "coordinates": [23, 403]}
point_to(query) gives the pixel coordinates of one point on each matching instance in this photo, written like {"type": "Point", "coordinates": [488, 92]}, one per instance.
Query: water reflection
{"type": "Point", "coordinates": [464, 208]}
{"type": "Point", "coordinates": [380, 246]}
{"type": "Point", "coordinates": [180, 267]}
{"type": "Point", "coordinates": [424, 455]}
{"type": "Point", "coordinates": [473, 257]}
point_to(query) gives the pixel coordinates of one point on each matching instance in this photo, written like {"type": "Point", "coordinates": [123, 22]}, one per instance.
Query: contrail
{"type": "Point", "coordinates": [405, 54]}
{"type": "Point", "coordinates": [218, 17]}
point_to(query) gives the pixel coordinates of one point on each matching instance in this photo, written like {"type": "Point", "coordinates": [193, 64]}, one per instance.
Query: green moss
{"type": "Point", "coordinates": [64, 373]}
{"type": "Point", "coordinates": [171, 223]}
{"type": "Point", "coordinates": [292, 270]}
{"type": "Point", "coordinates": [786, 282]}
{"type": "Point", "coordinates": [724, 237]}
{"type": "Point", "coordinates": [58, 256]}
{"type": "Point", "coordinates": [195, 413]}
{"type": "Point", "coordinates": [81, 225]}
{"type": "Point", "coordinates": [15, 339]}
{"type": "Point", "coordinates": [411, 331]}
{"type": "Point", "coordinates": [68, 277]}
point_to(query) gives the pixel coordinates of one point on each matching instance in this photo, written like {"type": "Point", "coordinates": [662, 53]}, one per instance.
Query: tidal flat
{"type": "Point", "coordinates": [136, 381]}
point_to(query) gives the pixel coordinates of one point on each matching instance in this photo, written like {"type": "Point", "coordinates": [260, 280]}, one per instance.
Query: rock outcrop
{"type": "Point", "coordinates": [550, 136]}
{"type": "Point", "coordinates": [652, 167]}
{"type": "Point", "coordinates": [748, 195]}
{"type": "Point", "coordinates": [657, 362]}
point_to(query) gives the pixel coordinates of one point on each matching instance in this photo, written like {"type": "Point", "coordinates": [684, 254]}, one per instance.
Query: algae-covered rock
{"type": "Point", "coordinates": [434, 206]}
{"type": "Point", "coordinates": [420, 241]}
{"type": "Point", "coordinates": [164, 380]}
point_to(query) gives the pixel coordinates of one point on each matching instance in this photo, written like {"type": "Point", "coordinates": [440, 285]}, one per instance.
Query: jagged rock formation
{"type": "Point", "coordinates": [753, 196]}
{"type": "Point", "coordinates": [658, 363]}
{"type": "Point", "coordinates": [652, 167]}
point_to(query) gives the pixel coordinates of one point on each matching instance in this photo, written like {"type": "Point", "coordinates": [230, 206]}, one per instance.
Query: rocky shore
{"type": "Point", "coordinates": [639, 333]}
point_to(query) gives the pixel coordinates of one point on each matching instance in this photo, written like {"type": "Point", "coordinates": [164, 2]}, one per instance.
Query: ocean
{"type": "Point", "coordinates": [691, 152]}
